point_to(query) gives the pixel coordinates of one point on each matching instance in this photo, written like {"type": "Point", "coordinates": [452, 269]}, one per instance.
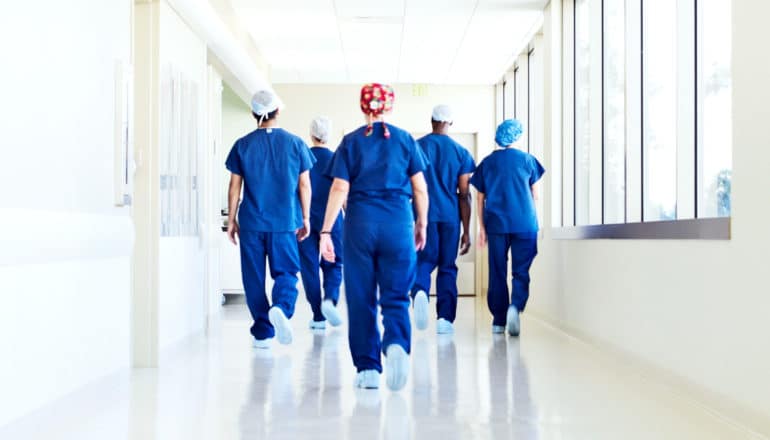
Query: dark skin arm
{"type": "Point", "coordinates": [464, 196]}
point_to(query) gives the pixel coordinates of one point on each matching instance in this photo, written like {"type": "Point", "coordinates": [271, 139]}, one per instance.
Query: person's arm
{"type": "Point", "coordinates": [480, 215]}
{"type": "Point", "coordinates": [338, 195]}
{"type": "Point", "coordinates": [464, 196]}
{"type": "Point", "coordinates": [535, 193]}
{"type": "Point", "coordinates": [233, 199]}
{"type": "Point", "coordinates": [420, 200]}
{"type": "Point", "coordinates": [305, 194]}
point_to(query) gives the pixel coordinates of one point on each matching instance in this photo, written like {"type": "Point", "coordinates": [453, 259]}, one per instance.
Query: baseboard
{"type": "Point", "coordinates": [724, 408]}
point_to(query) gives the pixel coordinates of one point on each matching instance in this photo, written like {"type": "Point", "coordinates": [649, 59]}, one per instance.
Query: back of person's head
{"type": "Point", "coordinates": [265, 105]}
{"type": "Point", "coordinates": [442, 113]}
{"type": "Point", "coordinates": [376, 101]}
{"type": "Point", "coordinates": [320, 129]}
{"type": "Point", "coordinates": [508, 132]}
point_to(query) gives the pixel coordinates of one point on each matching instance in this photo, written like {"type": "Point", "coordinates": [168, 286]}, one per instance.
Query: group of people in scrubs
{"type": "Point", "coordinates": [407, 210]}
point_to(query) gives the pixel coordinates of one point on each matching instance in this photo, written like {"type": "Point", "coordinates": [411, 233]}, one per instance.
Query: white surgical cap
{"type": "Point", "coordinates": [320, 128]}
{"type": "Point", "coordinates": [442, 113]}
{"type": "Point", "coordinates": [264, 102]}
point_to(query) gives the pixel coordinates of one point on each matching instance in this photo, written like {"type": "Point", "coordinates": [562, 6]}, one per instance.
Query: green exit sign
{"type": "Point", "coordinates": [419, 90]}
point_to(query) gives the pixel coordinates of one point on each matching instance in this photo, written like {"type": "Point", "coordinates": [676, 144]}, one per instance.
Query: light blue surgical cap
{"type": "Point", "coordinates": [264, 102]}
{"type": "Point", "coordinates": [320, 128]}
{"type": "Point", "coordinates": [508, 132]}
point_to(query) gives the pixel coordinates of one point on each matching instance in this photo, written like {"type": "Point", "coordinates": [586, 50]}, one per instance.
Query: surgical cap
{"type": "Point", "coordinates": [442, 113]}
{"type": "Point", "coordinates": [320, 128]}
{"type": "Point", "coordinates": [264, 102]}
{"type": "Point", "coordinates": [508, 132]}
{"type": "Point", "coordinates": [376, 100]}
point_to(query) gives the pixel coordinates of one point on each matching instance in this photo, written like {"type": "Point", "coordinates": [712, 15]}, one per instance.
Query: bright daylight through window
{"type": "Point", "coordinates": [649, 131]}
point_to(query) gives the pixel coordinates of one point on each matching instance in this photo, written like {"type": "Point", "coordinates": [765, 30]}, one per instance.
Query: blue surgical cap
{"type": "Point", "coordinates": [508, 132]}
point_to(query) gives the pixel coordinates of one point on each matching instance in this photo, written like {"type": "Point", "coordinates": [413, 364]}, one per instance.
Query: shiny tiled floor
{"type": "Point", "coordinates": [474, 385]}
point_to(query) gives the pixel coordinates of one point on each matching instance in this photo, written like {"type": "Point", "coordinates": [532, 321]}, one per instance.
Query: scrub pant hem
{"type": "Point", "coordinates": [440, 252]}
{"type": "Point", "coordinates": [522, 252]}
{"type": "Point", "coordinates": [311, 262]}
{"type": "Point", "coordinates": [379, 257]}
{"type": "Point", "coordinates": [279, 250]}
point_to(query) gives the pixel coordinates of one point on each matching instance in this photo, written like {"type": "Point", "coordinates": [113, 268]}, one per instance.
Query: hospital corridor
{"type": "Point", "coordinates": [384, 219]}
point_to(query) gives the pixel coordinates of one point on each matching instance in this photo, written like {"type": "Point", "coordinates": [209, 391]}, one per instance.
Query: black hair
{"type": "Point", "coordinates": [269, 116]}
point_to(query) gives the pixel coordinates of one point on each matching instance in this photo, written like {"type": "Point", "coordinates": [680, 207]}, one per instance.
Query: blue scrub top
{"type": "Point", "coordinates": [379, 172]}
{"type": "Point", "coordinates": [448, 161]}
{"type": "Point", "coordinates": [506, 177]}
{"type": "Point", "coordinates": [321, 186]}
{"type": "Point", "coordinates": [270, 161]}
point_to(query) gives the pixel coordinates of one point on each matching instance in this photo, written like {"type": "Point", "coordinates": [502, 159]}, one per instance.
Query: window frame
{"type": "Point", "coordinates": [695, 227]}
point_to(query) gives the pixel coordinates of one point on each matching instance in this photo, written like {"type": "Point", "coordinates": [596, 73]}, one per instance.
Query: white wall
{"type": "Point", "coordinates": [474, 108]}
{"type": "Point", "coordinates": [693, 312]}
{"type": "Point", "coordinates": [182, 300]}
{"type": "Point", "coordinates": [64, 249]}
{"type": "Point", "coordinates": [237, 121]}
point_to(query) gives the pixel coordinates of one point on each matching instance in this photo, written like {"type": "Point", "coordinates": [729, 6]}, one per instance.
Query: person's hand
{"type": "Point", "coordinates": [465, 243]}
{"type": "Point", "coordinates": [327, 248]}
{"type": "Point", "coordinates": [233, 230]}
{"type": "Point", "coordinates": [420, 237]}
{"type": "Point", "coordinates": [482, 238]}
{"type": "Point", "coordinates": [304, 231]}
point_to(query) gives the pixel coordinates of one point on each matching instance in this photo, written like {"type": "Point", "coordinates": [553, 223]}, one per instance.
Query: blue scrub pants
{"type": "Point", "coordinates": [280, 249]}
{"type": "Point", "coordinates": [440, 250]}
{"type": "Point", "coordinates": [523, 252]}
{"type": "Point", "coordinates": [378, 255]}
{"type": "Point", "coordinates": [310, 261]}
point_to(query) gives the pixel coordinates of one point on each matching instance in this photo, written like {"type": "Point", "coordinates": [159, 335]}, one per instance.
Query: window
{"type": "Point", "coordinates": [647, 113]}
{"type": "Point", "coordinates": [614, 102]}
{"type": "Point", "coordinates": [715, 109]}
{"type": "Point", "coordinates": [583, 99]}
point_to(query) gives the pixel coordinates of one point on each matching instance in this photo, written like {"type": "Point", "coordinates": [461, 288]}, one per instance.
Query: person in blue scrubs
{"type": "Point", "coordinates": [505, 181]}
{"type": "Point", "coordinates": [450, 170]}
{"type": "Point", "coordinates": [378, 169]}
{"type": "Point", "coordinates": [272, 168]}
{"type": "Point", "coordinates": [323, 308]}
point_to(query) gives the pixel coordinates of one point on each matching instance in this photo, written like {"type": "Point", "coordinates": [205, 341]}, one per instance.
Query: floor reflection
{"type": "Point", "coordinates": [470, 386]}
{"type": "Point", "coordinates": [513, 413]}
{"type": "Point", "coordinates": [254, 418]}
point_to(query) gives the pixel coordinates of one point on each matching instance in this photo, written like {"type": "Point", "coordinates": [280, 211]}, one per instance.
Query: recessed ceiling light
{"type": "Point", "coordinates": [369, 19]}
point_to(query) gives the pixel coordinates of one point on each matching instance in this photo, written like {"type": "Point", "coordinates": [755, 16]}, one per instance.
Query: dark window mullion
{"type": "Point", "coordinates": [603, 119]}
{"type": "Point", "coordinates": [641, 53]}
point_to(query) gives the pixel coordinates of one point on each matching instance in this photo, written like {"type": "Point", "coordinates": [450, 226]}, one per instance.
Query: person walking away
{"type": "Point", "coordinates": [378, 169]}
{"type": "Point", "coordinates": [272, 168]}
{"type": "Point", "coordinates": [447, 177]}
{"type": "Point", "coordinates": [505, 181]}
{"type": "Point", "coordinates": [324, 308]}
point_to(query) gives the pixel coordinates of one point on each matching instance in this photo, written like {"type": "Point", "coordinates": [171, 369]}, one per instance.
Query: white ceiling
{"type": "Point", "coordinates": [397, 41]}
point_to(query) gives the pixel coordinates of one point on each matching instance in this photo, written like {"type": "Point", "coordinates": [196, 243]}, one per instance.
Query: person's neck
{"type": "Point", "coordinates": [317, 145]}
{"type": "Point", "coordinates": [441, 131]}
{"type": "Point", "coordinates": [372, 119]}
{"type": "Point", "coordinates": [269, 124]}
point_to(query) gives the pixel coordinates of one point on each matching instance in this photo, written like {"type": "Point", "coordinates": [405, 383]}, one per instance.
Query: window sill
{"type": "Point", "coordinates": [697, 229]}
